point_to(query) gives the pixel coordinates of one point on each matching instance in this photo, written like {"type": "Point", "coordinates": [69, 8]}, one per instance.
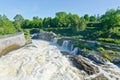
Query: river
{"type": "Point", "coordinates": [43, 60]}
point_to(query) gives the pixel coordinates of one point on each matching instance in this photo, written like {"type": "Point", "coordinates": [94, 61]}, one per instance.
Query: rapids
{"type": "Point", "coordinates": [37, 61]}
{"type": "Point", "coordinates": [42, 60]}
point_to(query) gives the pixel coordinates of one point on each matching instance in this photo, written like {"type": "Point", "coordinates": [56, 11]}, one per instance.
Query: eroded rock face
{"type": "Point", "coordinates": [82, 64]}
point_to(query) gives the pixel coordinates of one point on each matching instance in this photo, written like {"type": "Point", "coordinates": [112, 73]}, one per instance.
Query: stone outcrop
{"type": "Point", "coordinates": [100, 77]}
{"type": "Point", "coordinates": [82, 64]}
{"type": "Point", "coordinates": [48, 36]}
{"type": "Point", "coordinates": [94, 57]}
{"type": "Point", "coordinates": [60, 42]}
{"type": "Point", "coordinates": [12, 42]}
{"type": "Point", "coordinates": [98, 59]}
{"type": "Point", "coordinates": [116, 60]}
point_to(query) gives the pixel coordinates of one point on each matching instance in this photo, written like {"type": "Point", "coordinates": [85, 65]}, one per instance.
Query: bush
{"type": "Point", "coordinates": [27, 33]}
{"type": "Point", "coordinates": [34, 30]}
{"type": "Point", "coordinates": [85, 50]}
{"type": "Point", "coordinates": [100, 49]}
{"type": "Point", "coordinates": [106, 55]}
{"type": "Point", "coordinates": [109, 40]}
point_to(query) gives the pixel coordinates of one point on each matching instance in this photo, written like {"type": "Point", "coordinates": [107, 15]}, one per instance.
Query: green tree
{"type": "Point", "coordinates": [26, 24]}
{"type": "Point", "coordinates": [76, 23]}
{"type": "Point", "coordinates": [93, 19]}
{"type": "Point", "coordinates": [110, 21]}
{"type": "Point", "coordinates": [61, 19]}
{"type": "Point", "coordinates": [61, 14]}
{"type": "Point", "coordinates": [18, 21]}
{"type": "Point", "coordinates": [35, 18]}
{"type": "Point", "coordinates": [6, 26]}
{"type": "Point", "coordinates": [47, 22]}
{"type": "Point", "coordinates": [86, 17]}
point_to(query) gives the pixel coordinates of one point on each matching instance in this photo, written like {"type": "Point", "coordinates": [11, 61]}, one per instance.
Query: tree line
{"type": "Point", "coordinates": [108, 23]}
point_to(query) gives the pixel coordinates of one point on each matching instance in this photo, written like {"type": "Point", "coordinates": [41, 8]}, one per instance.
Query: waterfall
{"type": "Point", "coordinates": [55, 40]}
{"type": "Point", "coordinates": [75, 51]}
{"type": "Point", "coordinates": [72, 47]}
{"type": "Point", "coordinates": [65, 44]}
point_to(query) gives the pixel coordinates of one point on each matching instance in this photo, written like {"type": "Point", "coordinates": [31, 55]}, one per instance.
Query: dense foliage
{"type": "Point", "coordinates": [104, 27]}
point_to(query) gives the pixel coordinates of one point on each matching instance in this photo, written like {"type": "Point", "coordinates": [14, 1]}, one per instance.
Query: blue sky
{"type": "Point", "coordinates": [48, 8]}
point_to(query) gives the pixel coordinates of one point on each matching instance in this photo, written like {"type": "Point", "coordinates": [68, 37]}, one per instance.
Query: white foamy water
{"type": "Point", "coordinates": [42, 60]}
{"type": "Point", "coordinates": [37, 61]}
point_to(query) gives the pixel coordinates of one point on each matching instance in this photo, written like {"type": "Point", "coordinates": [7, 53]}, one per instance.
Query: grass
{"type": "Point", "coordinates": [109, 40]}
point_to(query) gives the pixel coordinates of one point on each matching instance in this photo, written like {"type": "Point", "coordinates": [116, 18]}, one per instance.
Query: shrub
{"type": "Point", "coordinates": [106, 55]}
{"type": "Point", "coordinates": [34, 30]}
{"type": "Point", "coordinates": [100, 49]}
{"type": "Point", "coordinates": [109, 40]}
{"type": "Point", "coordinates": [84, 50]}
{"type": "Point", "coordinates": [27, 33]}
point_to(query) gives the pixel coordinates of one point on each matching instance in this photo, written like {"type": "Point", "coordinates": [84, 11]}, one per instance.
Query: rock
{"type": "Point", "coordinates": [87, 67]}
{"type": "Point", "coordinates": [100, 77]}
{"type": "Point", "coordinates": [82, 64]}
{"type": "Point", "coordinates": [48, 36]}
{"type": "Point", "coordinates": [116, 61]}
{"type": "Point", "coordinates": [94, 57]}
{"type": "Point", "coordinates": [98, 59]}
{"type": "Point", "coordinates": [60, 42]}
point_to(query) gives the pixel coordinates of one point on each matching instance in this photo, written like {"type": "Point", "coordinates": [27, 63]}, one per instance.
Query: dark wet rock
{"type": "Point", "coordinates": [84, 54]}
{"type": "Point", "coordinates": [82, 64]}
{"type": "Point", "coordinates": [48, 36]}
{"type": "Point", "coordinates": [116, 61]}
{"type": "Point", "coordinates": [87, 67]}
{"type": "Point", "coordinates": [99, 77]}
{"type": "Point", "coordinates": [60, 41]}
{"type": "Point", "coordinates": [94, 57]}
{"type": "Point", "coordinates": [98, 59]}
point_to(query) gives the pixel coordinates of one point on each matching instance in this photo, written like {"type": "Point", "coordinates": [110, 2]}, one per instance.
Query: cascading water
{"type": "Point", "coordinates": [43, 62]}
{"type": "Point", "coordinates": [72, 47]}
{"type": "Point", "coordinates": [55, 40]}
{"type": "Point", "coordinates": [65, 44]}
{"type": "Point", "coordinates": [75, 51]}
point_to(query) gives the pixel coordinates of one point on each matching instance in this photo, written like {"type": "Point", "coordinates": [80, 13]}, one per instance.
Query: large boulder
{"type": "Point", "coordinates": [89, 68]}
{"type": "Point", "coordinates": [48, 36]}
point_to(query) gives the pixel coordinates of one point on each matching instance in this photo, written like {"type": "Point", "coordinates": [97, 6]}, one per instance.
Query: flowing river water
{"type": "Point", "coordinates": [43, 60]}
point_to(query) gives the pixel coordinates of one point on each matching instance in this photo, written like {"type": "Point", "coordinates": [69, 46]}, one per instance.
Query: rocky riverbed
{"type": "Point", "coordinates": [43, 60]}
